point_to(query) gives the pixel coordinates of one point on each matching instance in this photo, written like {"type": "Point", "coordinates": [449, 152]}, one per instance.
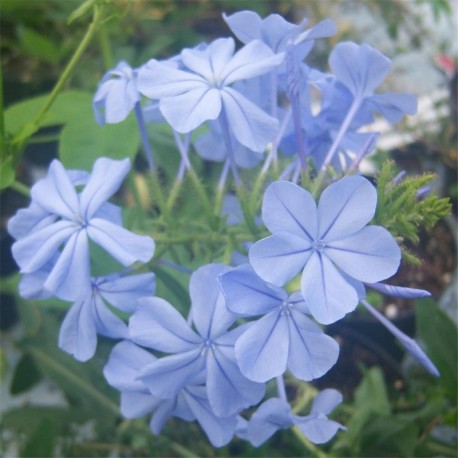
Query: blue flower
{"type": "Point", "coordinates": [116, 95]}
{"type": "Point", "coordinates": [156, 324]}
{"type": "Point", "coordinates": [202, 89]}
{"type": "Point", "coordinates": [284, 337]}
{"type": "Point", "coordinates": [274, 30]}
{"type": "Point", "coordinates": [61, 221]}
{"type": "Point", "coordinates": [191, 403]}
{"type": "Point", "coordinates": [331, 244]}
{"type": "Point", "coordinates": [90, 315]}
{"type": "Point", "coordinates": [275, 414]}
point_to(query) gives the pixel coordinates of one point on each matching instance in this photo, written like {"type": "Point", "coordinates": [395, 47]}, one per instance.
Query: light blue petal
{"type": "Point", "coordinates": [327, 294]}
{"type": "Point", "coordinates": [77, 335]}
{"type": "Point", "coordinates": [111, 212]}
{"type": "Point", "coordinates": [393, 106]}
{"type": "Point", "coordinates": [311, 352]}
{"type": "Point", "coordinates": [209, 312]}
{"type": "Point", "coordinates": [218, 430]}
{"type": "Point", "coordinates": [345, 207]}
{"type": "Point", "coordinates": [106, 178]}
{"type": "Point", "coordinates": [271, 416]}
{"type": "Point", "coordinates": [247, 294]}
{"type": "Point", "coordinates": [254, 59]}
{"type": "Point", "coordinates": [106, 322]}
{"type": "Point", "coordinates": [137, 404]}
{"type": "Point", "coordinates": [360, 68]}
{"type": "Point", "coordinates": [125, 361]}
{"type": "Point", "coordinates": [57, 184]}
{"type": "Point", "coordinates": [166, 376]}
{"type": "Point", "coordinates": [33, 251]}
{"type": "Point", "coordinates": [210, 147]}
{"type": "Point", "coordinates": [122, 244]}
{"type": "Point", "coordinates": [262, 350]}
{"type": "Point", "coordinates": [318, 428]}
{"type": "Point", "coordinates": [185, 112]}
{"type": "Point", "coordinates": [399, 291]}
{"type": "Point", "coordinates": [245, 25]}
{"type": "Point", "coordinates": [169, 408]}
{"type": "Point", "coordinates": [157, 324]}
{"type": "Point", "coordinates": [124, 292]}
{"type": "Point", "coordinates": [299, 303]}
{"type": "Point", "coordinates": [228, 390]}
{"type": "Point", "coordinates": [251, 126]}
{"type": "Point", "coordinates": [326, 401]}
{"type": "Point", "coordinates": [288, 207]}
{"type": "Point", "coordinates": [369, 255]}
{"type": "Point", "coordinates": [157, 80]}
{"type": "Point", "coordinates": [277, 32]}
{"type": "Point", "coordinates": [28, 220]}
{"type": "Point", "coordinates": [278, 258]}
{"type": "Point", "coordinates": [70, 278]}
{"type": "Point", "coordinates": [210, 63]}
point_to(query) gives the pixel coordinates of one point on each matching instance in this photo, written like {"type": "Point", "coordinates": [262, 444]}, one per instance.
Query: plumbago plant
{"type": "Point", "coordinates": [289, 238]}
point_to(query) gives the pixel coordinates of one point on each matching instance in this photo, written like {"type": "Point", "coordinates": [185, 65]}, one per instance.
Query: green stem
{"type": "Point", "coordinates": [21, 188]}
{"type": "Point", "coordinates": [79, 383]}
{"type": "Point", "coordinates": [97, 18]}
{"type": "Point", "coordinates": [158, 195]}
{"type": "Point", "coordinates": [105, 47]}
{"type": "Point", "coordinates": [248, 215]}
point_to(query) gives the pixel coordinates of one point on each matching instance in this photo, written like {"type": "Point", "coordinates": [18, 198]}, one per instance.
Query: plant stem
{"type": "Point", "coordinates": [144, 136]}
{"type": "Point", "coordinates": [281, 390]}
{"type": "Point", "coordinates": [21, 188]}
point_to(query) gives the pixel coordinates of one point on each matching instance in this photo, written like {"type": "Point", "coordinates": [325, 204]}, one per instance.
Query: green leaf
{"type": "Point", "coordinates": [83, 141]}
{"type": "Point", "coordinates": [440, 336]}
{"type": "Point", "coordinates": [7, 173]}
{"type": "Point", "coordinates": [37, 45]}
{"type": "Point", "coordinates": [25, 376]}
{"type": "Point", "coordinates": [173, 289]}
{"type": "Point", "coordinates": [42, 442]}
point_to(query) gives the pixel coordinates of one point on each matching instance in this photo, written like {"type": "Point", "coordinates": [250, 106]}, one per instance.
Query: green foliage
{"type": "Point", "coordinates": [399, 210]}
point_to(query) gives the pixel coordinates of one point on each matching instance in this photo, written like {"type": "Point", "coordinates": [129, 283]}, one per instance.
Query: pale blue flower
{"type": "Point", "coordinates": [157, 325]}
{"type": "Point", "coordinates": [331, 244]}
{"type": "Point", "coordinates": [275, 414]}
{"type": "Point", "coordinates": [201, 90]}
{"type": "Point", "coordinates": [190, 404]}
{"type": "Point", "coordinates": [116, 95]}
{"type": "Point", "coordinates": [283, 338]}
{"type": "Point", "coordinates": [64, 220]}
{"type": "Point", "coordinates": [90, 315]}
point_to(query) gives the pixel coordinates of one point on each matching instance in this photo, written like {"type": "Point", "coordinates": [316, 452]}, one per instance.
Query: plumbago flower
{"type": "Point", "coordinates": [331, 244]}
{"type": "Point", "coordinates": [191, 403]}
{"type": "Point", "coordinates": [116, 95]}
{"type": "Point", "coordinates": [275, 414]}
{"type": "Point", "coordinates": [157, 325]}
{"type": "Point", "coordinates": [53, 233]}
{"type": "Point", "coordinates": [202, 91]}
{"type": "Point", "coordinates": [90, 315]}
{"type": "Point", "coordinates": [283, 338]}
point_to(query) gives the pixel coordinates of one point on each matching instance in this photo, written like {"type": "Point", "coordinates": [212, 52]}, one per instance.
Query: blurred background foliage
{"type": "Point", "coordinates": [53, 406]}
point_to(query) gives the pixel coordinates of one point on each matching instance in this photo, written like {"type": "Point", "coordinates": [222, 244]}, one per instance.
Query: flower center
{"type": "Point", "coordinates": [319, 245]}
{"type": "Point", "coordinates": [285, 308]}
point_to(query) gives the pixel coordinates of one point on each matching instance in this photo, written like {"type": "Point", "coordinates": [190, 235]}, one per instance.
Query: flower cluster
{"type": "Point", "coordinates": [258, 321]}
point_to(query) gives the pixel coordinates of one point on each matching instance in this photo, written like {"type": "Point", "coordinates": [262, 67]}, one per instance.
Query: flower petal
{"type": "Point", "coordinates": [278, 258]}
{"type": "Point", "coordinates": [345, 207]}
{"type": "Point", "coordinates": [369, 255]}
{"type": "Point", "coordinates": [311, 352]}
{"type": "Point", "coordinates": [318, 429]}
{"type": "Point", "coordinates": [326, 401]}
{"type": "Point", "coordinates": [77, 335]}
{"type": "Point", "coordinates": [122, 244]}
{"type": "Point", "coordinates": [106, 178]}
{"type": "Point", "coordinates": [209, 312]}
{"type": "Point", "coordinates": [224, 376]}
{"type": "Point", "coordinates": [166, 376]}
{"type": "Point", "coordinates": [157, 324]}
{"type": "Point", "coordinates": [251, 126]}
{"type": "Point", "coordinates": [185, 112]}
{"type": "Point", "coordinates": [28, 220]}
{"type": "Point", "coordinates": [262, 350]}
{"type": "Point", "coordinates": [288, 207]}
{"type": "Point", "coordinates": [245, 25]}
{"type": "Point", "coordinates": [58, 185]}
{"type": "Point", "coordinates": [327, 294]}
{"type": "Point", "coordinates": [106, 322]}
{"type": "Point", "coordinates": [247, 294]}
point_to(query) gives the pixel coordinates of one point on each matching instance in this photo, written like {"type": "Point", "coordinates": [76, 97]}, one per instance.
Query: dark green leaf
{"type": "Point", "coordinates": [37, 45]}
{"type": "Point", "coordinates": [25, 376]}
{"type": "Point", "coordinates": [7, 173]}
{"type": "Point", "coordinates": [173, 289]}
{"type": "Point", "coordinates": [42, 442]}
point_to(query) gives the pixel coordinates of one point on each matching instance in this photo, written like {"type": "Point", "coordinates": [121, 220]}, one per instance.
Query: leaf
{"type": "Point", "coordinates": [42, 441]}
{"type": "Point", "coordinates": [37, 45]}
{"type": "Point", "coordinates": [7, 173]}
{"type": "Point", "coordinates": [83, 141]}
{"type": "Point", "coordinates": [25, 376]}
{"type": "Point", "coordinates": [174, 289]}
{"type": "Point", "coordinates": [440, 336]}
